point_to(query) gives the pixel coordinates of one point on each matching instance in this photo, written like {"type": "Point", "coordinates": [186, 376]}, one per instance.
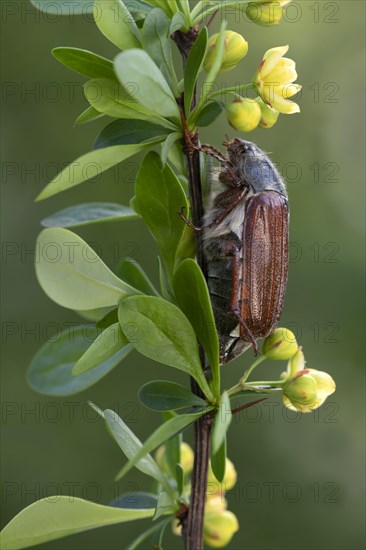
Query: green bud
{"type": "Point", "coordinates": [243, 114]}
{"type": "Point", "coordinates": [280, 345]}
{"type": "Point", "coordinates": [269, 116]}
{"type": "Point", "coordinates": [186, 458]}
{"type": "Point", "coordinates": [235, 49]}
{"type": "Point", "coordinates": [219, 528]}
{"type": "Point", "coordinates": [266, 12]}
{"type": "Point", "coordinates": [214, 487]}
{"type": "Point", "coordinates": [308, 390]}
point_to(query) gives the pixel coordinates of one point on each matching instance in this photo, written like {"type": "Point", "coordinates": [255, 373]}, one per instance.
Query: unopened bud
{"type": "Point", "coordinates": [186, 458]}
{"type": "Point", "coordinates": [215, 487]}
{"type": "Point", "coordinates": [266, 12]}
{"type": "Point", "coordinates": [280, 345]}
{"type": "Point", "coordinates": [243, 114]}
{"type": "Point", "coordinates": [219, 528]}
{"type": "Point", "coordinates": [308, 390]}
{"type": "Point", "coordinates": [235, 49]}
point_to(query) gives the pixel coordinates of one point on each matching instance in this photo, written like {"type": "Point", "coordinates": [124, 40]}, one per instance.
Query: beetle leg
{"type": "Point", "coordinates": [235, 301]}
{"type": "Point", "coordinates": [187, 222]}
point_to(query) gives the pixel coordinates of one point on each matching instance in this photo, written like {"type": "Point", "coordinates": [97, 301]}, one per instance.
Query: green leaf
{"type": "Point", "coordinates": [73, 275]}
{"type": "Point", "coordinates": [221, 423]}
{"type": "Point", "coordinates": [218, 462]}
{"type": "Point", "coordinates": [110, 98]}
{"type": "Point", "coordinates": [84, 62]}
{"type": "Point", "coordinates": [132, 446]}
{"type": "Point", "coordinates": [133, 274]}
{"type": "Point", "coordinates": [90, 165]}
{"type": "Point", "coordinates": [209, 114]}
{"type": "Point", "coordinates": [169, 429]}
{"type": "Point", "coordinates": [123, 132]}
{"type": "Point", "coordinates": [49, 372]}
{"type": "Point", "coordinates": [159, 198]}
{"type": "Point", "coordinates": [167, 146]}
{"type": "Point", "coordinates": [165, 506]}
{"type": "Point", "coordinates": [54, 518]}
{"type": "Point", "coordinates": [87, 213]}
{"type": "Point", "coordinates": [193, 68]}
{"type": "Point", "coordinates": [152, 90]}
{"type": "Point", "coordinates": [157, 43]}
{"type": "Point", "coordinates": [193, 298]}
{"type": "Point", "coordinates": [109, 343]}
{"type": "Point", "coordinates": [117, 24]}
{"type": "Point", "coordinates": [60, 7]}
{"type": "Point", "coordinates": [211, 77]}
{"type": "Point", "coordinates": [178, 22]}
{"type": "Point", "coordinates": [161, 395]}
{"type": "Point", "coordinates": [89, 115]}
{"type": "Point", "coordinates": [163, 334]}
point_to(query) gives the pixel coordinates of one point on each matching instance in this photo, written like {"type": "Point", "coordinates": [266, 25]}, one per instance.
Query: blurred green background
{"type": "Point", "coordinates": [300, 477]}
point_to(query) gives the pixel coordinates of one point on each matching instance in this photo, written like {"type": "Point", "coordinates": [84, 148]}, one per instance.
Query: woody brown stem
{"type": "Point", "coordinates": [193, 521]}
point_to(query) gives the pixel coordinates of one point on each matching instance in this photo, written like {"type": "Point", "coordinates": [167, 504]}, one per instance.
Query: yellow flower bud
{"type": "Point", "coordinates": [274, 80]}
{"type": "Point", "coordinates": [216, 503]}
{"type": "Point", "coordinates": [269, 116]}
{"type": "Point", "coordinates": [186, 458]}
{"type": "Point", "coordinates": [236, 48]}
{"type": "Point", "coordinates": [308, 390]}
{"type": "Point", "coordinates": [280, 345]}
{"type": "Point", "coordinates": [266, 12]}
{"type": "Point", "coordinates": [219, 528]}
{"type": "Point", "coordinates": [243, 114]}
{"type": "Point", "coordinates": [214, 487]}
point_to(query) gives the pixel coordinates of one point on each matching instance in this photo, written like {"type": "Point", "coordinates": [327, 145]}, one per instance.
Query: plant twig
{"type": "Point", "coordinates": [193, 523]}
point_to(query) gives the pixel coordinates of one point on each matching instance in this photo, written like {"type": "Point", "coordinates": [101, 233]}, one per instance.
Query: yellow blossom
{"type": "Point", "coordinates": [274, 80]}
{"type": "Point", "coordinates": [308, 390]}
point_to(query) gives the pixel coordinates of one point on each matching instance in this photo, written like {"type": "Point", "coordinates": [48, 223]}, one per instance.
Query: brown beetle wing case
{"type": "Point", "coordinates": [264, 263]}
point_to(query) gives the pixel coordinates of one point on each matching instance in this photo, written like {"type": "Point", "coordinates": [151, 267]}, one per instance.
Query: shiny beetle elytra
{"type": "Point", "coordinates": [245, 240]}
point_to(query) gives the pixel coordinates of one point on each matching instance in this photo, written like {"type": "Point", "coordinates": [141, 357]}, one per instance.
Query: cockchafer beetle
{"type": "Point", "coordinates": [245, 242]}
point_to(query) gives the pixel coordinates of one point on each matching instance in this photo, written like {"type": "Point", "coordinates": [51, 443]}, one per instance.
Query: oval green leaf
{"type": "Point", "coordinates": [132, 273]}
{"type": "Point", "coordinates": [84, 62]}
{"type": "Point", "coordinates": [152, 90]}
{"type": "Point", "coordinates": [193, 67]}
{"type": "Point", "coordinates": [193, 298]}
{"type": "Point", "coordinates": [87, 213]}
{"type": "Point", "coordinates": [221, 423]}
{"type": "Point", "coordinates": [60, 516]}
{"type": "Point", "coordinates": [116, 23]}
{"type": "Point", "coordinates": [49, 372]}
{"type": "Point", "coordinates": [159, 198]}
{"type": "Point", "coordinates": [123, 132]}
{"type": "Point", "coordinates": [163, 333]}
{"type": "Point", "coordinates": [131, 446]}
{"type": "Point", "coordinates": [88, 115]}
{"type": "Point", "coordinates": [90, 165]}
{"type": "Point", "coordinates": [73, 275]}
{"type": "Point", "coordinates": [161, 395]}
{"type": "Point", "coordinates": [107, 345]}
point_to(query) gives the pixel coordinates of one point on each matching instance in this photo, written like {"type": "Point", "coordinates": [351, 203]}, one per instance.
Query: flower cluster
{"type": "Point", "coordinates": [220, 525]}
{"type": "Point", "coordinates": [274, 83]}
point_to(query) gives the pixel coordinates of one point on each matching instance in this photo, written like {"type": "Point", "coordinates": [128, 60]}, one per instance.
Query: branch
{"type": "Point", "coordinates": [193, 522]}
